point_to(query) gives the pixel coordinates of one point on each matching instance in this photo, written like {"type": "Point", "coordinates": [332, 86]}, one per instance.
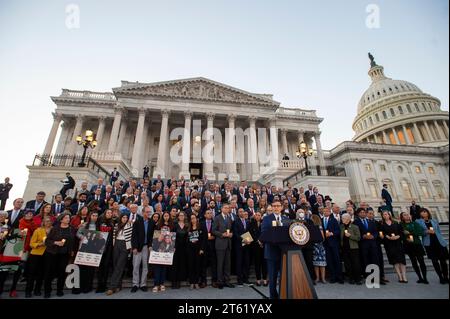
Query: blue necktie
{"type": "Point", "coordinates": [326, 223]}
{"type": "Point", "coordinates": [366, 224]}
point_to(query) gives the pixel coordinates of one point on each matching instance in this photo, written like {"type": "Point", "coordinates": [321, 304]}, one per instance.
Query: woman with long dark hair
{"type": "Point", "coordinates": [435, 244]}
{"type": "Point", "coordinates": [413, 246]}
{"type": "Point", "coordinates": [105, 224]}
{"type": "Point", "coordinates": [179, 265]}
{"type": "Point", "coordinates": [195, 248]}
{"type": "Point", "coordinates": [59, 243]}
{"type": "Point", "coordinates": [122, 247]}
{"type": "Point", "coordinates": [46, 210]}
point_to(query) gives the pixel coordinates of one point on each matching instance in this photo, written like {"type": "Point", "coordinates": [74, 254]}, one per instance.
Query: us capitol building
{"type": "Point", "coordinates": [401, 139]}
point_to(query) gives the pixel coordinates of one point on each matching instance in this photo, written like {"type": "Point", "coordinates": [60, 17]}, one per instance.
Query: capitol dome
{"type": "Point", "coordinates": [398, 112]}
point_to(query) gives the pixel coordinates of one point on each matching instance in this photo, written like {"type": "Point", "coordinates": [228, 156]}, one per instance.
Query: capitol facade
{"type": "Point", "coordinates": [199, 128]}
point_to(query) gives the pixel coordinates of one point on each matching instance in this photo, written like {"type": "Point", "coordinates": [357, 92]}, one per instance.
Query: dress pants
{"type": "Point", "coordinates": [223, 265]}
{"type": "Point", "coordinates": [194, 259]}
{"type": "Point", "coordinates": [369, 254]}
{"type": "Point", "coordinates": [273, 267]}
{"type": "Point", "coordinates": [333, 262]}
{"type": "Point", "coordinates": [159, 274]}
{"type": "Point", "coordinates": [260, 262]}
{"type": "Point", "coordinates": [35, 273]}
{"type": "Point", "coordinates": [352, 263]}
{"type": "Point", "coordinates": [55, 266]}
{"type": "Point", "coordinates": [242, 263]}
{"type": "Point", "coordinates": [209, 259]}
{"type": "Point", "coordinates": [120, 257]}
{"type": "Point", "coordinates": [140, 259]}
{"type": "Point", "coordinates": [87, 274]}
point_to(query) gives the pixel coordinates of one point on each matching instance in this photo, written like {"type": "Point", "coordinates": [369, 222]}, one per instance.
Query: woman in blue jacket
{"type": "Point", "coordinates": [435, 244]}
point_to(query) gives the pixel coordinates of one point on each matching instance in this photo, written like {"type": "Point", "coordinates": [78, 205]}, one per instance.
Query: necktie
{"type": "Point", "coordinates": [13, 217]}
{"type": "Point", "coordinates": [208, 224]}
{"type": "Point", "coordinates": [366, 224]}
{"type": "Point", "coordinates": [58, 208]}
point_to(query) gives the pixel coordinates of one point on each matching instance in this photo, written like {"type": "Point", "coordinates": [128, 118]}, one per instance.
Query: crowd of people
{"type": "Point", "coordinates": [210, 221]}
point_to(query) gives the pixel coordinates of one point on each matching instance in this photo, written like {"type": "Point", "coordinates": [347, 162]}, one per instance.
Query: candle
{"type": "Point", "coordinates": [368, 234]}
{"type": "Point", "coordinates": [82, 221]}
{"type": "Point", "coordinates": [209, 235]}
{"type": "Point", "coordinates": [392, 235]}
{"type": "Point", "coordinates": [431, 228]}
{"type": "Point", "coordinates": [381, 233]}
{"type": "Point", "coordinates": [6, 221]}
{"type": "Point", "coordinates": [63, 241]}
{"type": "Point", "coordinates": [228, 231]}
{"type": "Point", "coordinates": [411, 238]}
{"type": "Point", "coordinates": [43, 239]}
{"type": "Point", "coordinates": [274, 223]}
{"type": "Point", "coordinates": [346, 231]}
{"type": "Point", "coordinates": [25, 230]}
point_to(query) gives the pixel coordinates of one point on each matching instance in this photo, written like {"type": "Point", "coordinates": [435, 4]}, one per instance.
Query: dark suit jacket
{"type": "Point", "coordinates": [308, 193]}
{"type": "Point", "coordinates": [312, 199]}
{"type": "Point", "coordinates": [74, 208]}
{"type": "Point", "coordinates": [332, 226]}
{"type": "Point", "coordinates": [30, 205]}
{"type": "Point", "coordinates": [372, 228]}
{"type": "Point", "coordinates": [54, 208]}
{"type": "Point", "coordinates": [238, 230]}
{"type": "Point", "coordinates": [94, 187]}
{"type": "Point", "coordinates": [209, 245]}
{"type": "Point", "coordinates": [242, 203]}
{"type": "Point", "coordinates": [220, 226]}
{"type": "Point", "coordinates": [16, 221]}
{"type": "Point", "coordinates": [138, 234]}
{"type": "Point", "coordinates": [271, 252]}
{"type": "Point", "coordinates": [415, 211]}
{"type": "Point", "coordinates": [386, 196]}
{"type": "Point", "coordinates": [4, 190]}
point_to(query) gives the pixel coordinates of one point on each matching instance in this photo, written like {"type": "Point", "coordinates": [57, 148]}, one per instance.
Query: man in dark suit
{"type": "Point", "coordinates": [222, 231]}
{"type": "Point", "coordinates": [141, 238]}
{"type": "Point", "coordinates": [242, 253]}
{"type": "Point", "coordinates": [114, 176]}
{"type": "Point", "coordinates": [98, 185]}
{"type": "Point", "coordinates": [272, 253]}
{"type": "Point", "coordinates": [82, 198]}
{"type": "Point", "coordinates": [209, 254]}
{"type": "Point", "coordinates": [414, 210]}
{"type": "Point", "coordinates": [68, 183]}
{"type": "Point", "coordinates": [4, 192]}
{"type": "Point", "coordinates": [158, 179]}
{"type": "Point", "coordinates": [99, 198]}
{"type": "Point", "coordinates": [37, 203]}
{"type": "Point", "coordinates": [185, 199]}
{"type": "Point", "coordinates": [15, 214]}
{"type": "Point", "coordinates": [369, 235]}
{"type": "Point", "coordinates": [332, 245]}
{"type": "Point", "coordinates": [242, 197]}
{"type": "Point", "coordinates": [58, 205]}
{"type": "Point", "coordinates": [309, 191]}
{"type": "Point", "coordinates": [250, 208]}
{"type": "Point", "coordinates": [313, 197]}
{"type": "Point", "coordinates": [387, 198]}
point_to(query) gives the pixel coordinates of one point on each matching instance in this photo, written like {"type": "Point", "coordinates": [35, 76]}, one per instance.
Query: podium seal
{"type": "Point", "coordinates": [299, 233]}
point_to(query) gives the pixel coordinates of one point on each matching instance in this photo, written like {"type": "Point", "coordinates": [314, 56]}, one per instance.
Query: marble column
{"type": "Point", "coordinates": [115, 129]}
{"type": "Point", "coordinates": [405, 134]}
{"type": "Point", "coordinates": [439, 130]}
{"type": "Point", "coordinates": [57, 117]}
{"type": "Point", "coordinates": [230, 148]}
{"type": "Point", "coordinates": [209, 150]}
{"type": "Point", "coordinates": [427, 128]}
{"type": "Point", "coordinates": [254, 149]}
{"type": "Point", "coordinates": [71, 150]}
{"type": "Point", "coordinates": [301, 137]}
{"type": "Point", "coordinates": [186, 151]}
{"type": "Point", "coordinates": [375, 136]}
{"type": "Point", "coordinates": [417, 135]}
{"type": "Point", "coordinates": [60, 149]}
{"type": "Point", "coordinates": [122, 134]}
{"type": "Point", "coordinates": [397, 141]}
{"type": "Point", "coordinates": [100, 130]}
{"type": "Point", "coordinates": [274, 149]}
{"type": "Point", "coordinates": [136, 159]}
{"type": "Point", "coordinates": [284, 141]}
{"type": "Point", "coordinates": [323, 169]}
{"type": "Point", "coordinates": [162, 147]}
{"type": "Point", "coordinates": [445, 127]}
{"type": "Point", "coordinates": [386, 138]}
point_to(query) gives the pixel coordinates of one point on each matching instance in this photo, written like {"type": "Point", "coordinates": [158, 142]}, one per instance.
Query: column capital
{"type": "Point", "coordinates": [284, 131]}
{"type": "Point", "coordinates": [142, 111]}
{"type": "Point", "coordinates": [102, 118]}
{"type": "Point", "coordinates": [188, 114]}
{"type": "Point", "coordinates": [118, 108]}
{"type": "Point", "coordinates": [57, 116]}
{"type": "Point", "coordinates": [252, 120]}
{"type": "Point", "coordinates": [165, 113]}
{"type": "Point", "coordinates": [231, 117]}
{"type": "Point", "coordinates": [210, 116]}
{"type": "Point", "coordinates": [79, 117]}
{"type": "Point", "coordinates": [317, 133]}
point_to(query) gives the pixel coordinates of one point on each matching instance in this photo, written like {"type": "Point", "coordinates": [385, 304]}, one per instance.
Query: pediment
{"type": "Point", "coordinates": [196, 89]}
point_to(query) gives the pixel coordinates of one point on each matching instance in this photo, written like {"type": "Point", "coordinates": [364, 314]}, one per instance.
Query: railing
{"type": "Point", "coordinates": [315, 171]}
{"type": "Point", "coordinates": [59, 160]}
{"type": "Point", "coordinates": [296, 111]}
{"type": "Point", "coordinates": [88, 95]}
{"type": "Point", "coordinates": [292, 164]}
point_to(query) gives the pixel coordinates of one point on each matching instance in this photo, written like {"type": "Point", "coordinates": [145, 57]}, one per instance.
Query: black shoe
{"type": "Point", "coordinates": [144, 289]}
{"type": "Point", "coordinates": [332, 281]}
{"type": "Point", "coordinates": [134, 289]}
{"type": "Point", "coordinates": [46, 295]}
{"type": "Point", "coordinates": [60, 293]}
{"type": "Point", "coordinates": [420, 281]}
{"type": "Point", "coordinates": [382, 283]}
{"type": "Point", "coordinates": [240, 285]}
{"type": "Point", "coordinates": [28, 295]}
{"type": "Point", "coordinates": [76, 291]}
{"type": "Point", "coordinates": [351, 282]}
{"type": "Point", "coordinates": [100, 291]}
{"type": "Point", "coordinates": [220, 286]}
{"type": "Point", "coordinates": [341, 282]}
{"type": "Point", "coordinates": [258, 284]}
{"type": "Point", "coordinates": [442, 281]}
{"type": "Point", "coordinates": [426, 282]}
{"type": "Point", "coordinates": [37, 293]}
{"type": "Point", "coordinates": [229, 285]}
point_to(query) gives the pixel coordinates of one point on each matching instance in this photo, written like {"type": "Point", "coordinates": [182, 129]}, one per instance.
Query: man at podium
{"type": "Point", "coordinates": [272, 253]}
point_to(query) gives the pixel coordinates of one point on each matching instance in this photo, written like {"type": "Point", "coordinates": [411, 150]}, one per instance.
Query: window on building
{"type": "Point", "coordinates": [392, 112]}
{"type": "Point", "coordinates": [423, 107]}
{"type": "Point", "coordinates": [384, 115]}
{"type": "Point", "coordinates": [368, 167]}
{"type": "Point", "coordinates": [417, 107]}
{"type": "Point", "coordinates": [383, 168]}
{"type": "Point", "coordinates": [400, 110]}
{"type": "Point", "coordinates": [401, 137]}
{"type": "Point", "coordinates": [406, 189]}
{"type": "Point", "coordinates": [371, 120]}
{"type": "Point", "coordinates": [377, 117]}
{"type": "Point", "coordinates": [425, 190]}
{"type": "Point", "coordinates": [439, 190]}
{"type": "Point", "coordinates": [408, 107]}
{"type": "Point", "coordinates": [392, 138]}
{"type": "Point", "coordinates": [373, 189]}
{"type": "Point", "coordinates": [418, 170]}
{"type": "Point", "coordinates": [410, 135]}
{"type": "Point", "coordinates": [431, 170]}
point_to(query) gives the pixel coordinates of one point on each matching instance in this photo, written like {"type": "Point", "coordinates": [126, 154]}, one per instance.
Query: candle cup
{"type": "Point", "coordinates": [392, 235]}
{"type": "Point", "coordinates": [381, 233]}
{"type": "Point", "coordinates": [411, 238]}
{"type": "Point", "coordinates": [63, 241]}
{"type": "Point", "coordinates": [368, 234]}
{"type": "Point", "coordinates": [431, 228]}
{"type": "Point", "coordinates": [6, 221]}
{"type": "Point", "coordinates": [43, 239]}
{"type": "Point", "coordinates": [274, 223]}
{"type": "Point", "coordinates": [228, 231]}
{"type": "Point", "coordinates": [209, 235]}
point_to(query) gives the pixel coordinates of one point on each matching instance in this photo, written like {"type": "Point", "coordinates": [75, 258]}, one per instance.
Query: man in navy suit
{"type": "Point", "coordinates": [36, 204]}
{"type": "Point", "coordinates": [15, 214]}
{"type": "Point", "coordinates": [387, 198]}
{"type": "Point", "coordinates": [272, 253]}
{"type": "Point", "coordinates": [58, 205]}
{"type": "Point", "coordinates": [240, 226]}
{"type": "Point", "coordinates": [82, 198]}
{"type": "Point", "coordinates": [369, 235]}
{"type": "Point", "coordinates": [332, 244]}
{"type": "Point", "coordinates": [98, 185]}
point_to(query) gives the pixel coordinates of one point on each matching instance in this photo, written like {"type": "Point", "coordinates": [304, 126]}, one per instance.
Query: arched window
{"type": "Point", "coordinates": [408, 107]}
{"type": "Point", "coordinates": [384, 115]}
{"type": "Point", "coordinates": [425, 189]}
{"type": "Point", "coordinates": [439, 190]}
{"type": "Point", "coordinates": [406, 189]}
{"type": "Point", "coordinates": [392, 112]}
{"type": "Point", "coordinates": [417, 107]}
{"type": "Point", "coordinates": [377, 117]}
{"type": "Point", "coordinates": [400, 110]}
{"type": "Point", "coordinates": [371, 120]}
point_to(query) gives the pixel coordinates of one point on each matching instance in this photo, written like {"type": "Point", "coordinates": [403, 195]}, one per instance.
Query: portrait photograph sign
{"type": "Point", "coordinates": [91, 248]}
{"type": "Point", "coordinates": [163, 248]}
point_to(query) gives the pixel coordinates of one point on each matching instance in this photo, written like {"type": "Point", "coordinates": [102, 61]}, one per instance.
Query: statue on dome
{"type": "Point", "coordinates": [372, 60]}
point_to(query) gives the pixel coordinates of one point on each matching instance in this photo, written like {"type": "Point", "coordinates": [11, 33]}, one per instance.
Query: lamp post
{"type": "Point", "coordinates": [88, 141]}
{"type": "Point", "coordinates": [304, 151]}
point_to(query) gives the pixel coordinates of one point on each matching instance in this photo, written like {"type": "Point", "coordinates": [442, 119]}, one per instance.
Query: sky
{"type": "Point", "coordinates": [308, 54]}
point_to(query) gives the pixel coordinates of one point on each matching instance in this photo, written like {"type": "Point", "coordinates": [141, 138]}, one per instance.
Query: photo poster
{"type": "Point", "coordinates": [163, 247]}
{"type": "Point", "coordinates": [91, 248]}
{"type": "Point", "coordinates": [13, 247]}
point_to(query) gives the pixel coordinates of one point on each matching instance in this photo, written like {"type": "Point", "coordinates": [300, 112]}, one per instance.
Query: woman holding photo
{"type": "Point", "coordinates": [165, 226]}
{"type": "Point", "coordinates": [179, 265]}
{"type": "Point", "coordinates": [105, 224]}
{"type": "Point", "coordinates": [195, 247]}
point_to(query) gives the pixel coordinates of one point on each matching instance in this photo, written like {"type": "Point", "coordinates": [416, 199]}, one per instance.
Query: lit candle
{"type": "Point", "coordinates": [381, 233]}
{"type": "Point", "coordinates": [392, 235]}
{"type": "Point", "coordinates": [411, 238]}
{"type": "Point", "coordinates": [25, 230]}
{"type": "Point", "coordinates": [431, 228]}
{"type": "Point", "coordinates": [82, 221]}
{"type": "Point", "coordinates": [43, 239]}
{"type": "Point", "coordinates": [63, 241]}
{"type": "Point", "coordinates": [368, 234]}
{"type": "Point", "coordinates": [228, 231]}
{"type": "Point", "coordinates": [346, 231]}
{"type": "Point", "coordinates": [6, 221]}
{"type": "Point", "coordinates": [209, 235]}
{"type": "Point", "coordinates": [327, 231]}
{"type": "Point", "coordinates": [274, 223]}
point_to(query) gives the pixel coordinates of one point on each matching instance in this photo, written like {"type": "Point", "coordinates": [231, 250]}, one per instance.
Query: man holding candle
{"type": "Point", "coordinates": [332, 244]}
{"type": "Point", "coordinates": [222, 231]}
{"type": "Point", "coordinates": [272, 253]}
{"type": "Point", "coordinates": [209, 258]}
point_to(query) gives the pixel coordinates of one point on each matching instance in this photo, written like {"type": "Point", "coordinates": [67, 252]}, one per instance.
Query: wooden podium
{"type": "Point", "coordinates": [295, 281]}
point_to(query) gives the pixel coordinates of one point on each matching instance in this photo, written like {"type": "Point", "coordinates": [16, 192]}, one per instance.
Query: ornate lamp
{"type": "Point", "coordinates": [88, 141]}
{"type": "Point", "coordinates": [305, 152]}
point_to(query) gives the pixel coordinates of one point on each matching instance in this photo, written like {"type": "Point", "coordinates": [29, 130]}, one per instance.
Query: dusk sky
{"type": "Point", "coordinates": [308, 54]}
